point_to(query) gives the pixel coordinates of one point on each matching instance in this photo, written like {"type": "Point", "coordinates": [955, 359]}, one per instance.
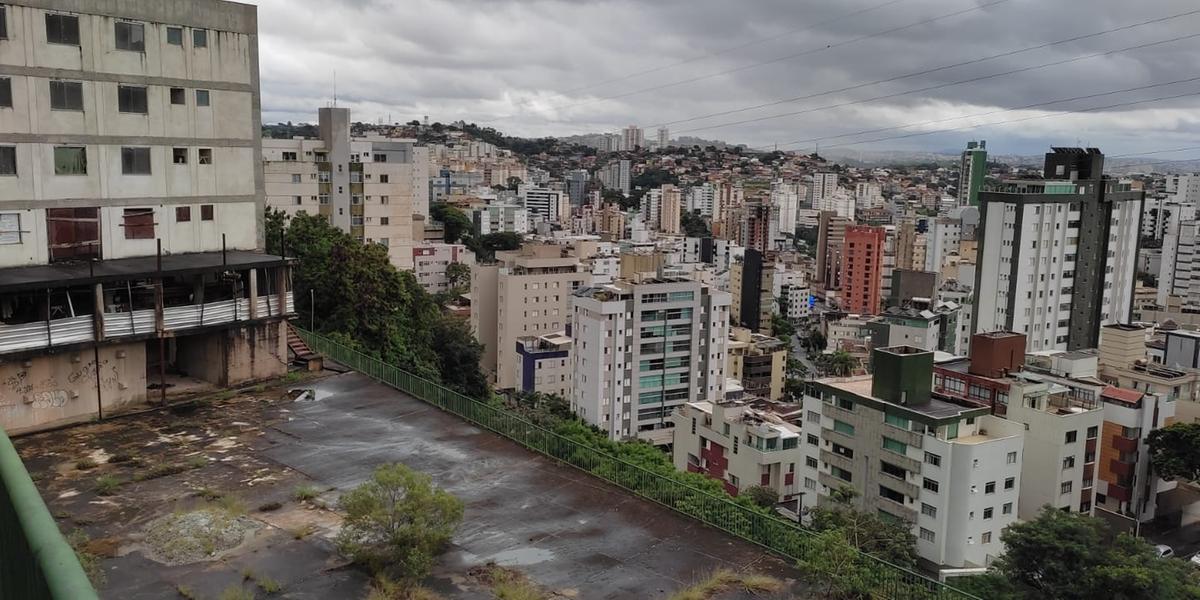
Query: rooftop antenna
{"type": "Point", "coordinates": [335, 88]}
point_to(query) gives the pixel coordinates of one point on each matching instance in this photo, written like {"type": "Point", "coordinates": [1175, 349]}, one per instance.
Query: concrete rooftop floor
{"type": "Point", "coordinates": [565, 530]}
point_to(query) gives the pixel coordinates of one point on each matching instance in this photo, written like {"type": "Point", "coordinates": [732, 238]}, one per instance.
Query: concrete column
{"type": "Point", "coordinates": [281, 288]}
{"type": "Point", "coordinates": [253, 293]}
{"type": "Point", "coordinates": [98, 312]}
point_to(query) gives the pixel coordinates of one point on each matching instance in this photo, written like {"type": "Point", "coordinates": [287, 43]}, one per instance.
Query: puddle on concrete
{"type": "Point", "coordinates": [520, 557]}
{"type": "Point", "coordinates": [308, 394]}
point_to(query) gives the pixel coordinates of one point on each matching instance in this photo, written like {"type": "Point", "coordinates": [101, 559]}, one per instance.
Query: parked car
{"type": "Point", "coordinates": [1164, 551]}
{"type": "Point", "coordinates": [1195, 559]}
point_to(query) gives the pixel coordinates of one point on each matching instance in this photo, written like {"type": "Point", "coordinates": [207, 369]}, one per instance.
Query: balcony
{"type": "Point", "coordinates": [897, 510]}
{"type": "Point", "coordinates": [1124, 444]}
{"type": "Point", "coordinates": [837, 460]}
{"type": "Point", "coordinates": [910, 438]}
{"type": "Point", "coordinates": [1119, 492]}
{"type": "Point", "coordinates": [1121, 469]}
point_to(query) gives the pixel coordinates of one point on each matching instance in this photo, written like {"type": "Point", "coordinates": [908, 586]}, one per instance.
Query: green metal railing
{"type": "Point", "coordinates": [783, 537]}
{"type": "Point", "coordinates": [35, 561]}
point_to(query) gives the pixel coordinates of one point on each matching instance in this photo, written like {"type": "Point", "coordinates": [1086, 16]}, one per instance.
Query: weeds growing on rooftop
{"type": "Point", "coordinates": [85, 463]}
{"type": "Point", "coordinates": [107, 485]}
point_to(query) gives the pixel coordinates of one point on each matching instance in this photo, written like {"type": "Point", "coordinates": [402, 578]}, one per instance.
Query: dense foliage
{"type": "Point", "coordinates": [891, 540]}
{"type": "Point", "coordinates": [351, 291]}
{"type": "Point", "coordinates": [1175, 451]}
{"type": "Point", "coordinates": [694, 225]}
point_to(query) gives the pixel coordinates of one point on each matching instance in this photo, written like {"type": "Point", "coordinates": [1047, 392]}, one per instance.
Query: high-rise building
{"type": "Point", "coordinates": [785, 196]}
{"type": "Point", "coordinates": [702, 199]}
{"type": "Point", "coordinates": [369, 188]}
{"type": "Point", "coordinates": [576, 180]}
{"type": "Point", "coordinates": [972, 170]}
{"type": "Point", "coordinates": [948, 468]}
{"type": "Point", "coordinates": [497, 218]}
{"type": "Point", "coordinates": [1057, 256]}
{"type": "Point", "coordinates": [1179, 268]}
{"type": "Point", "coordinates": [867, 195]}
{"type": "Point", "coordinates": [759, 222]}
{"type": "Point", "coordinates": [664, 137]}
{"type": "Point", "coordinates": [758, 361]}
{"type": "Point", "coordinates": [823, 186]}
{"type": "Point", "coordinates": [943, 235]}
{"type": "Point", "coordinates": [831, 236]}
{"type": "Point", "coordinates": [862, 269]}
{"type": "Point", "coordinates": [643, 349]}
{"type": "Point", "coordinates": [544, 205]}
{"type": "Point", "coordinates": [525, 292]}
{"type": "Point", "coordinates": [632, 138]}
{"type": "Point", "coordinates": [615, 175]}
{"type": "Point", "coordinates": [131, 207]}
{"type": "Point", "coordinates": [670, 212]}
{"type": "Point", "coordinates": [751, 281]}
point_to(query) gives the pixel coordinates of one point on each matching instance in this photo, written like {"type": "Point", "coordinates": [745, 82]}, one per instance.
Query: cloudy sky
{"type": "Point", "coordinates": [563, 67]}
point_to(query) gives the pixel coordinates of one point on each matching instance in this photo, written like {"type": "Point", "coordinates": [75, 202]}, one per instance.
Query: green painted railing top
{"type": "Point", "coordinates": [785, 538]}
{"type": "Point", "coordinates": [36, 562]}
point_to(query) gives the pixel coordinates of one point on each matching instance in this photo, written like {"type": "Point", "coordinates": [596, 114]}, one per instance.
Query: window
{"type": "Point", "coordinates": [894, 446]}
{"type": "Point", "coordinates": [1006, 509]}
{"type": "Point", "coordinates": [179, 156]}
{"type": "Point", "coordinates": [183, 214]}
{"type": "Point", "coordinates": [132, 99]}
{"type": "Point", "coordinates": [8, 160]}
{"type": "Point", "coordinates": [10, 228]}
{"type": "Point", "coordinates": [1011, 458]}
{"type": "Point", "coordinates": [841, 450]}
{"type": "Point", "coordinates": [929, 510]}
{"type": "Point", "coordinates": [70, 160]}
{"type": "Point", "coordinates": [62, 29]}
{"type": "Point", "coordinates": [733, 480]}
{"type": "Point", "coordinates": [384, 178]}
{"type": "Point", "coordinates": [1065, 488]}
{"type": "Point", "coordinates": [201, 97]}
{"type": "Point", "coordinates": [178, 96]}
{"type": "Point", "coordinates": [139, 223]}
{"type": "Point", "coordinates": [73, 233]}
{"type": "Point", "coordinates": [130, 36]}
{"type": "Point", "coordinates": [387, 221]}
{"type": "Point", "coordinates": [1068, 463]}
{"type": "Point", "coordinates": [926, 535]}
{"type": "Point", "coordinates": [1010, 483]}
{"type": "Point", "coordinates": [989, 487]}
{"type": "Point", "coordinates": [810, 484]}
{"type": "Point", "coordinates": [893, 470]}
{"type": "Point", "coordinates": [930, 485]}
{"type": "Point", "coordinates": [3, 23]}
{"type": "Point", "coordinates": [933, 459]}
{"type": "Point", "coordinates": [289, 156]}
{"type": "Point", "coordinates": [840, 473]}
{"type": "Point", "coordinates": [206, 212]}
{"type": "Point", "coordinates": [199, 38]}
{"type": "Point", "coordinates": [843, 427]}
{"type": "Point", "coordinates": [204, 156]}
{"type": "Point", "coordinates": [890, 494]}
{"type": "Point", "coordinates": [6, 92]}
{"type": "Point", "coordinates": [895, 420]}
{"type": "Point", "coordinates": [66, 95]}
{"type": "Point", "coordinates": [135, 161]}
{"type": "Point", "coordinates": [986, 538]}
{"type": "Point", "coordinates": [988, 512]}
{"type": "Point", "coordinates": [1071, 436]}
{"type": "Point", "coordinates": [1092, 432]}
{"type": "Point", "coordinates": [810, 462]}
{"type": "Point", "coordinates": [175, 36]}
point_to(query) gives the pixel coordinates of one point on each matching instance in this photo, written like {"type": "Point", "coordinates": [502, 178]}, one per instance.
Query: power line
{"type": "Point", "coordinates": [946, 85]}
{"type": "Point", "coordinates": [1020, 120]}
{"type": "Point", "coordinates": [994, 112]}
{"type": "Point", "coordinates": [771, 61]}
{"type": "Point", "coordinates": [932, 70]}
{"type": "Point", "coordinates": [733, 48]}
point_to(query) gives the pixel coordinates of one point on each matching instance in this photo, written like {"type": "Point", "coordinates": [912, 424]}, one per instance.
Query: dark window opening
{"type": "Point", "coordinates": [139, 223]}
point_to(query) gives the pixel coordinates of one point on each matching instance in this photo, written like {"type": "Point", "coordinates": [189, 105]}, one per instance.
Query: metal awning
{"type": "Point", "coordinates": [68, 274]}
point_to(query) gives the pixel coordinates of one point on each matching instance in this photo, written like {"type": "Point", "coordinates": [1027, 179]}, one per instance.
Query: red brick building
{"type": "Point", "coordinates": [862, 269]}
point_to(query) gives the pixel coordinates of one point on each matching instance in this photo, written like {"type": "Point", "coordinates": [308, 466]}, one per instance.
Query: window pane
{"type": "Point", "coordinates": [3, 23]}
{"type": "Point", "coordinates": [175, 36]}
{"type": "Point", "coordinates": [70, 160]}
{"type": "Point", "coordinates": [139, 223]}
{"type": "Point", "coordinates": [74, 233]}
{"type": "Point", "coordinates": [135, 161]}
{"type": "Point", "coordinates": [8, 160]}
{"type": "Point", "coordinates": [66, 95]}
{"type": "Point", "coordinates": [201, 97]}
{"type": "Point", "coordinates": [204, 156]}
{"type": "Point", "coordinates": [183, 214]}
{"type": "Point", "coordinates": [132, 99]}
{"type": "Point", "coordinates": [130, 36]}
{"type": "Point", "coordinates": [179, 156]}
{"type": "Point", "coordinates": [200, 38]}
{"type": "Point", "coordinates": [206, 212]}
{"type": "Point", "coordinates": [178, 96]}
{"type": "Point", "coordinates": [5, 91]}
{"type": "Point", "coordinates": [62, 29]}
{"type": "Point", "coordinates": [10, 228]}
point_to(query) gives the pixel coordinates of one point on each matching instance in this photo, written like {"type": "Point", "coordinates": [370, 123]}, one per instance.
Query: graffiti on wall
{"type": "Point", "coordinates": [55, 391]}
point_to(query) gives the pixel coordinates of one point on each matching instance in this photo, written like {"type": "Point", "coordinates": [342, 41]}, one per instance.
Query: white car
{"type": "Point", "coordinates": [1195, 559]}
{"type": "Point", "coordinates": [1164, 551]}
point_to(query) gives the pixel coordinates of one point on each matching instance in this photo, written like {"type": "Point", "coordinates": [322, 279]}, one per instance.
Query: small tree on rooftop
{"type": "Point", "coordinates": [397, 521]}
{"type": "Point", "coordinates": [762, 495]}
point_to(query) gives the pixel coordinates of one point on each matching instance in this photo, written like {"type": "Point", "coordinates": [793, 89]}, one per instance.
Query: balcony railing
{"type": "Point", "coordinates": [1122, 469]}
{"type": "Point", "coordinates": [1119, 492]}
{"type": "Point", "coordinates": [1124, 444]}
{"type": "Point", "coordinates": [76, 330]}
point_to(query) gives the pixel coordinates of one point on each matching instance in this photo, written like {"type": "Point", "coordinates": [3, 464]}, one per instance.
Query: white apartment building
{"type": "Point", "coordinates": [745, 444]}
{"type": "Point", "coordinates": [823, 186]}
{"type": "Point", "coordinates": [943, 235]}
{"type": "Point", "coordinates": [525, 292]}
{"type": "Point", "coordinates": [431, 259]}
{"type": "Point", "coordinates": [702, 199]}
{"type": "Point", "coordinates": [785, 196]}
{"type": "Point", "coordinates": [868, 195]}
{"type": "Point", "coordinates": [131, 206]}
{"type": "Point", "coordinates": [369, 188]}
{"type": "Point", "coordinates": [498, 218]}
{"type": "Point", "coordinates": [644, 349]}
{"type": "Point", "coordinates": [1056, 257]}
{"type": "Point", "coordinates": [664, 137]}
{"type": "Point", "coordinates": [712, 251]}
{"type": "Point", "coordinates": [544, 205]}
{"type": "Point", "coordinates": [616, 175]}
{"type": "Point", "coordinates": [1179, 270]}
{"type": "Point", "coordinates": [544, 364]}
{"type": "Point", "coordinates": [633, 137]}
{"type": "Point", "coordinates": [950, 470]}
{"type": "Point", "coordinates": [661, 208]}
{"type": "Point", "coordinates": [839, 203]}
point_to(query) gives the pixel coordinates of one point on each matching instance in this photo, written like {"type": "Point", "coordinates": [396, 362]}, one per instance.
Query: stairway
{"type": "Point", "coordinates": [300, 351]}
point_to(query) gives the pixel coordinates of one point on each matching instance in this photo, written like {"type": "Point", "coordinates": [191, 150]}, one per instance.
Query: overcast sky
{"type": "Point", "coordinates": [551, 67]}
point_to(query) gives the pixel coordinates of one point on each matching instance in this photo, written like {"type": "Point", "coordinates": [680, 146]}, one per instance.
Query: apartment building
{"type": "Point", "coordinates": [431, 260]}
{"type": "Point", "coordinates": [951, 470]}
{"type": "Point", "coordinates": [751, 281]}
{"type": "Point", "coordinates": [501, 218]}
{"type": "Point", "coordinates": [972, 170]}
{"type": "Point", "coordinates": [525, 292]}
{"type": "Point", "coordinates": [130, 208]}
{"type": "Point", "coordinates": [616, 175]}
{"type": "Point", "coordinates": [824, 185]}
{"type": "Point", "coordinates": [759, 225]}
{"type": "Point", "coordinates": [643, 349]}
{"type": "Point", "coordinates": [1179, 268]}
{"type": "Point", "coordinates": [1124, 362]}
{"type": "Point", "coordinates": [544, 205]}
{"type": "Point", "coordinates": [369, 188]}
{"type": "Point", "coordinates": [1126, 483]}
{"type": "Point", "coordinates": [1059, 464]}
{"type": "Point", "coordinates": [831, 238]}
{"type": "Point", "coordinates": [862, 270]}
{"type": "Point", "coordinates": [1057, 255]}
{"type": "Point", "coordinates": [933, 328]}
{"type": "Point", "coordinates": [744, 444]}
{"type": "Point", "coordinates": [758, 361]}
{"type": "Point", "coordinates": [544, 364]}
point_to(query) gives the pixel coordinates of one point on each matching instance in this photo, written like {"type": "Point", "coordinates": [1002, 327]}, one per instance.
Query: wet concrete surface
{"type": "Point", "coordinates": [565, 530]}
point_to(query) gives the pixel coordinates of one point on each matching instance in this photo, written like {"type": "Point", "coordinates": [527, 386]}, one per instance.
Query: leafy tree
{"type": "Point", "coordinates": [608, 195]}
{"type": "Point", "coordinates": [815, 341]}
{"type": "Point", "coordinates": [458, 276]}
{"type": "Point", "coordinates": [454, 221]}
{"type": "Point", "coordinates": [782, 328]}
{"type": "Point", "coordinates": [1071, 556]}
{"type": "Point", "coordinates": [837, 570]}
{"type": "Point", "coordinates": [1175, 451]}
{"type": "Point", "coordinates": [838, 364]}
{"type": "Point", "coordinates": [458, 355]}
{"type": "Point", "coordinates": [694, 225]}
{"type": "Point", "coordinates": [274, 226]}
{"type": "Point", "coordinates": [397, 521]}
{"type": "Point", "coordinates": [762, 495]}
{"type": "Point", "coordinates": [890, 540]}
